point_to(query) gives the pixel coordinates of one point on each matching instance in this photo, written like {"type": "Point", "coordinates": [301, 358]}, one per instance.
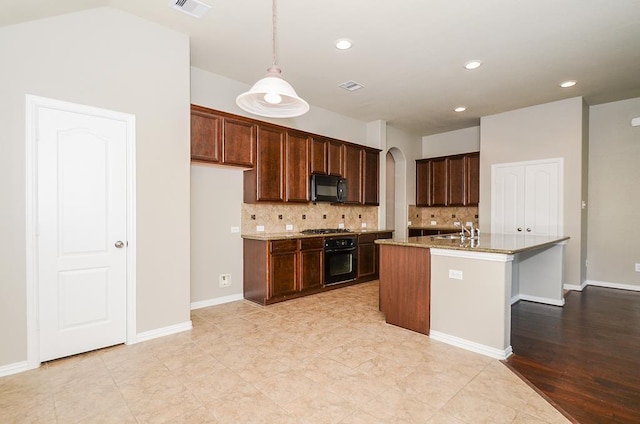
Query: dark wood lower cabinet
{"type": "Point", "coordinates": [277, 270]}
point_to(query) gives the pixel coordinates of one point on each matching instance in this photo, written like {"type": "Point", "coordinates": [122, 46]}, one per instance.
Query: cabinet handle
{"type": "Point", "coordinates": [519, 228]}
{"type": "Point", "coordinates": [528, 230]}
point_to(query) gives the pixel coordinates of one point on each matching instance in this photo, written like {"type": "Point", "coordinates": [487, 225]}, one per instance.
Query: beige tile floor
{"type": "Point", "coordinates": [328, 358]}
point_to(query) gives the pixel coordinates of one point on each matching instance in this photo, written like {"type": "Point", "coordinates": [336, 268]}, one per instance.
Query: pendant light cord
{"type": "Point", "coordinates": [273, 10]}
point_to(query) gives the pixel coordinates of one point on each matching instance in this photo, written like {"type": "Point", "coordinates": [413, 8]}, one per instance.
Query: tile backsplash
{"type": "Point", "coordinates": [443, 216]}
{"type": "Point", "coordinates": [275, 217]}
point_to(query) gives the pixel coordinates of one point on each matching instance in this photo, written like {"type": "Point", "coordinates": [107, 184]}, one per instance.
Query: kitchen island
{"type": "Point", "coordinates": [460, 291]}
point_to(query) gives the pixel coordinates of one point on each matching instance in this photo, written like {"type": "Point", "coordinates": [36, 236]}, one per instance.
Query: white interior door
{"type": "Point", "coordinates": [542, 199]}
{"type": "Point", "coordinates": [82, 225]}
{"type": "Point", "coordinates": [508, 200]}
{"type": "Point", "coordinates": [527, 198]}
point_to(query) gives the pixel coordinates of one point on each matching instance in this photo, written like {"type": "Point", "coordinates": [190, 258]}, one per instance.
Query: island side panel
{"type": "Point", "coordinates": [540, 275]}
{"type": "Point", "coordinates": [405, 286]}
{"type": "Point", "coordinates": [471, 307]}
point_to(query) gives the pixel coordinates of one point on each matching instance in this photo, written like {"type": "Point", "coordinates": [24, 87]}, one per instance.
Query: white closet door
{"type": "Point", "coordinates": [527, 198]}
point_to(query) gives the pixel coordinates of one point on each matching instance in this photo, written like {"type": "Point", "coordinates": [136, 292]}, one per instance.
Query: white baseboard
{"type": "Point", "coordinates": [613, 285]}
{"type": "Point", "coordinates": [546, 301]}
{"type": "Point", "coordinates": [472, 346]}
{"type": "Point", "coordinates": [216, 301]}
{"type": "Point", "coordinates": [164, 331]}
{"type": "Point", "coordinates": [16, 367]}
{"type": "Point", "coordinates": [576, 287]}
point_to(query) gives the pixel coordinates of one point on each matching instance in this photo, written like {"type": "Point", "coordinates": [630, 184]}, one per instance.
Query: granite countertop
{"type": "Point", "coordinates": [489, 243]}
{"type": "Point", "coordinates": [434, 227]}
{"type": "Point", "coordinates": [297, 235]}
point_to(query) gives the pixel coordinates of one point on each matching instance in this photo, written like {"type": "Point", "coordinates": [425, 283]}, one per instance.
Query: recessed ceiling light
{"type": "Point", "coordinates": [472, 64]}
{"type": "Point", "coordinates": [343, 44]}
{"type": "Point", "coordinates": [567, 84]}
{"type": "Point", "coordinates": [460, 109]}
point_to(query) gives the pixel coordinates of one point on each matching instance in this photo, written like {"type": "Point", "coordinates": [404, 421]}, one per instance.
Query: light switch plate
{"type": "Point", "coordinates": [235, 229]}
{"type": "Point", "coordinates": [434, 222]}
{"type": "Point", "coordinates": [260, 228]}
{"type": "Point", "coordinates": [637, 267]}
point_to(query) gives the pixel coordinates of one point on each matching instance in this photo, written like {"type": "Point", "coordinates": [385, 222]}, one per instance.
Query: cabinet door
{"type": "Point", "coordinates": [438, 182]}
{"type": "Point", "coordinates": [335, 158]}
{"type": "Point", "coordinates": [353, 173]}
{"type": "Point", "coordinates": [239, 141]}
{"type": "Point", "coordinates": [311, 263]}
{"type": "Point", "coordinates": [283, 266]}
{"type": "Point", "coordinates": [371, 176]}
{"type": "Point", "coordinates": [206, 135]}
{"type": "Point", "coordinates": [423, 178]}
{"type": "Point", "coordinates": [472, 176]}
{"type": "Point", "coordinates": [455, 181]}
{"type": "Point", "coordinates": [318, 157]}
{"type": "Point", "coordinates": [366, 260]}
{"type": "Point", "coordinates": [269, 164]}
{"type": "Point", "coordinates": [297, 167]}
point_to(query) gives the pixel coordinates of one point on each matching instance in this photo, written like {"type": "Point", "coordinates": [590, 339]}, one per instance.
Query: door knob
{"type": "Point", "coordinates": [519, 228]}
{"type": "Point", "coordinates": [528, 230]}
{"type": "Point", "coordinates": [119, 244]}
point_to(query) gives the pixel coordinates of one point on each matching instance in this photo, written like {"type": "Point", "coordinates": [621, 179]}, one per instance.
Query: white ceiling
{"type": "Point", "coordinates": [408, 54]}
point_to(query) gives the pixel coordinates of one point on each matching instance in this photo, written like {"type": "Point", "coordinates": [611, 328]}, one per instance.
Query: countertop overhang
{"type": "Point", "coordinates": [507, 244]}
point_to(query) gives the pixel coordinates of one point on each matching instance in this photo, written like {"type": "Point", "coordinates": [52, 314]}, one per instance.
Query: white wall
{"type": "Point", "coordinates": [614, 201]}
{"type": "Point", "coordinates": [113, 60]}
{"type": "Point", "coordinates": [550, 130]}
{"type": "Point", "coordinates": [451, 143]}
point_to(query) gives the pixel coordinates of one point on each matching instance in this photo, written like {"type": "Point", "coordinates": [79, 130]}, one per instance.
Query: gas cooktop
{"type": "Point", "coordinates": [325, 231]}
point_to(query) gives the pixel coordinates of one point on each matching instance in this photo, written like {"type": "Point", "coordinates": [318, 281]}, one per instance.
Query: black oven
{"type": "Point", "coordinates": [340, 260]}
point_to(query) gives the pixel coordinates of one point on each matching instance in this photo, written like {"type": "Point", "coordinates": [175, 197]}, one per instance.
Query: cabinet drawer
{"type": "Point", "coordinates": [367, 238]}
{"type": "Point", "coordinates": [312, 243]}
{"type": "Point", "coordinates": [279, 246]}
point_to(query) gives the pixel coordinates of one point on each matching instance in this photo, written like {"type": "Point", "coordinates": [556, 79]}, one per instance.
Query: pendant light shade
{"type": "Point", "coordinates": [272, 96]}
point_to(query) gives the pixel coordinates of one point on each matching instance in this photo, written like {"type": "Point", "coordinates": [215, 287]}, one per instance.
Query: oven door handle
{"type": "Point", "coordinates": [351, 249]}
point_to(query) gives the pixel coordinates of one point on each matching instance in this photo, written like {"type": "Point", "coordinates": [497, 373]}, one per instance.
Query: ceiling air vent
{"type": "Point", "coordinates": [190, 7]}
{"type": "Point", "coordinates": [351, 85]}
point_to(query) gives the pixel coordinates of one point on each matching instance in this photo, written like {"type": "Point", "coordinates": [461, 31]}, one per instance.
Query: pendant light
{"type": "Point", "coordinates": [272, 96]}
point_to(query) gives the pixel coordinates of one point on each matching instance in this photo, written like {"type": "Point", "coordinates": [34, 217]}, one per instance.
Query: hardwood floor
{"type": "Point", "coordinates": [585, 356]}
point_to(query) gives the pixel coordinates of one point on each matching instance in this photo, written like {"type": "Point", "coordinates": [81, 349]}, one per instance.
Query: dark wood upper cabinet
{"type": "Point", "coordinates": [353, 173]}
{"type": "Point", "coordinates": [472, 175]}
{"type": "Point", "coordinates": [423, 181]}
{"type": "Point", "coordinates": [448, 180]}
{"type": "Point", "coordinates": [281, 160]}
{"type": "Point", "coordinates": [335, 158]}
{"type": "Point", "coordinates": [206, 136]}
{"type": "Point", "coordinates": [456, 181]}
{"type": "Point", "coordinates": [221, 139]}
{"type": "Point", "coordinates": [318, 163]}
{"type": "Point", "coordinates": [239, 141]}
{"type": "Point", "coordinates": [297, 167]}
{"type": "Point", "coordinates": [265, 182]}
{"type": "Point", "coordinates": [371, 171]}
{"type": "Point", "coordinates": [438, 182]}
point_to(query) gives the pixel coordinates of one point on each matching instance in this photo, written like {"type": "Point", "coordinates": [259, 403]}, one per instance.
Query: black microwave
{"type": "Point", "coordinates": [328, 188]}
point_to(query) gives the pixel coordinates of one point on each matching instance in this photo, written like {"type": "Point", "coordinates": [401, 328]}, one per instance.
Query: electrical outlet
{"type": "Point", "coordinates": [364, 225]}
{"type": "Point", "coordinates": [468, 223]}
{"type": "Point", "coordinates": [235, 229]}
{"type": "Point", "coordinates": [259, 228]}
{"type": "Point", "coordinates": [455, 274]}
{"type": "Point", "coordinates": [289, 227]}
{"type": "Point", "coordinates": [341, 225]}
{"type": "Point", "coordinates": [408, 222]}
{"type": "Point", "coordinates": [225, 280]}
{"type": "Point", "coordinates": [434, 222]}
{"type": "Point", "coordinates": [637, 267]}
